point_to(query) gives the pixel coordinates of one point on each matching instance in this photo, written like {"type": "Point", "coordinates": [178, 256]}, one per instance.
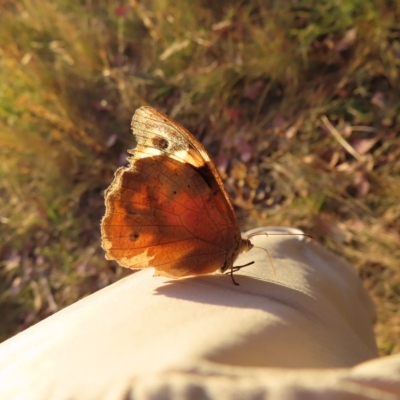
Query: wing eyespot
{"type": "Point", "coordinates": [160, 143]}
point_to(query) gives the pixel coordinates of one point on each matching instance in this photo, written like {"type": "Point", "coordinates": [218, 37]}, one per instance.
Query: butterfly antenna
{"type": "Point", "coordinates": [275, 234]}
{"type": "Point", "coordinates": [269, 256]}
{"type": "Point", "coordinates": [239, 267]}
{"type": "Point", "coordinates": [279, 234]}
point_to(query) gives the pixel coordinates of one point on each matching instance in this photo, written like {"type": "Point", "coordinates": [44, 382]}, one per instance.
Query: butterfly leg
{"type": "Point", "coordinates": [233, 280]}
{"type": "Point", "coordinates": [235, 269]}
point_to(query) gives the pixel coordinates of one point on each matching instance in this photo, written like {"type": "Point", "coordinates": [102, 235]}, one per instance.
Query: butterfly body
{"type": "Point", "coordinates": [169, 209]}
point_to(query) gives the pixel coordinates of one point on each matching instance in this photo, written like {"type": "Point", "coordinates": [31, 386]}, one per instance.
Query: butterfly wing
{"type": "Point", "coordinates": [169, 209]}
{"type": "Point", "coordinates": [157, 134]}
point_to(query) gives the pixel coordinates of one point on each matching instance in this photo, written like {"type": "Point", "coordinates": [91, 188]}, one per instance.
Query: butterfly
{"type": "Point", "coordinates": [169, 208]}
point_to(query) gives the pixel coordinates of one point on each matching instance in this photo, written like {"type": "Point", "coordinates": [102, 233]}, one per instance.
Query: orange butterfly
{"type": "Point", "coordinates": [169, 208]}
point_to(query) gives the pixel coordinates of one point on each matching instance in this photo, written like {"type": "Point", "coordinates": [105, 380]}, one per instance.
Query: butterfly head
{"type": "Point", "coordinates": [244, 246]}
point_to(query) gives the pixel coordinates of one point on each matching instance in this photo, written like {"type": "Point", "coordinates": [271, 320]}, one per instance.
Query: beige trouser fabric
{"type": "Point", "coordinates": [304, 332]}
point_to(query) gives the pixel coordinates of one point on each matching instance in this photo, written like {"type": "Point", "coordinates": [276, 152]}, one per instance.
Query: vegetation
{"type": "Point", "coordinates": [298, 104]}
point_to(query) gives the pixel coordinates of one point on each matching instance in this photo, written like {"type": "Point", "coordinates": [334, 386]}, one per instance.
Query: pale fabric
{"type": "Point", "coordinates": [303, 332]}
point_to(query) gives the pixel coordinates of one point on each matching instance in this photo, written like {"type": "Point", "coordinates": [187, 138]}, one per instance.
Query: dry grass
{"type": "Point", "coordinates": [298, 105]}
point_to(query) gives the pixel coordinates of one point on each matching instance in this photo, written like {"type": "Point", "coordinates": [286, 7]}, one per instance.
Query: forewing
{"type": "Point", "coordinates": [158, 134]}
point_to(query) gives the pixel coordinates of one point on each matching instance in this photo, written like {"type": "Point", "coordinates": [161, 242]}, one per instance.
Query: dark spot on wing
{"type": "Point", "coordinates": [135, 236]}
{"type": "Point", "coordinates": [160, 143]}
{"type": "Point", "coordinates": [208, 177]}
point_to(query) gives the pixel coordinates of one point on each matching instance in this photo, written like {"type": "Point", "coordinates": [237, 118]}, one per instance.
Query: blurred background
{"type": "Point", "coordinates": [297, 103]}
